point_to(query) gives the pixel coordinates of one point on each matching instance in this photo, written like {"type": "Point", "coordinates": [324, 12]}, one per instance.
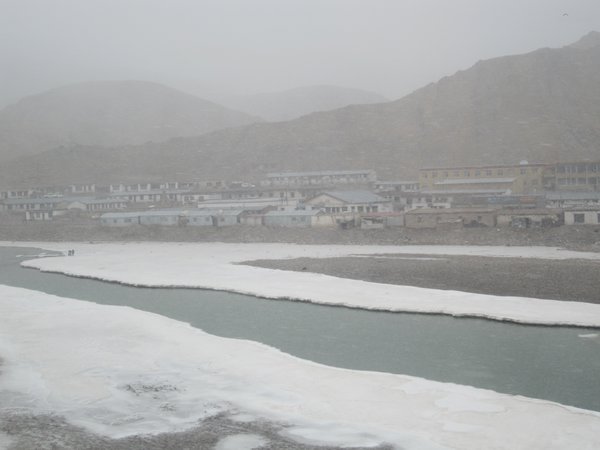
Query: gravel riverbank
{"type": "Point", "coordinates": [570, 280]}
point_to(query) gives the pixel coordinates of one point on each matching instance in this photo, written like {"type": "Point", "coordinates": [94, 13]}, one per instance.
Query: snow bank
{"type": "Point", "coordinates": [213, 266]}
{"type": "Point", "coordinates": [118, 371]}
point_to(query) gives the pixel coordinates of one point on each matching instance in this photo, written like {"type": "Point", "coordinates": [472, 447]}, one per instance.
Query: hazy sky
{"type": "Point", "coordinates": [248, 46]}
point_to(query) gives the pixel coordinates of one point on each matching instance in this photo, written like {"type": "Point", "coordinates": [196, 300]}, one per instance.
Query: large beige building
{"type": "Point", "coordinates": [523, 178]}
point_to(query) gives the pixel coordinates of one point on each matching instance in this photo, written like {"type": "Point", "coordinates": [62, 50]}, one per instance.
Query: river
{"type": "Point", "coordinates": [561, 364]}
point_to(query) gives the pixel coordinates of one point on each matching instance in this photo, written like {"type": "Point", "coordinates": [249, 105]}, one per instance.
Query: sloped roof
{"type": "Point", "coordinates": [354, 196]}
{"type": "Point", "coordinates": [318, 173]}
{"type": "Point", "coordinates": [294, 213]}
{"type": "Point", "coordinates": [573, 195]}
{"type": "Point", "coordinates": [474, 181]}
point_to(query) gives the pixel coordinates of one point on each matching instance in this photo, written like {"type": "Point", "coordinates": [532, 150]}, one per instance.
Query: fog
{"type": "Point", "coordinates": [215, 48]}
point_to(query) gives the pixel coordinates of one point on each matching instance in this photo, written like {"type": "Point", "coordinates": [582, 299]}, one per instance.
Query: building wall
{"type": "Point", "coordinates": [444, 217]}
{"type": "Point", "coordinates": [524, 220]}
{"type": "Point", "coordinates": [288, 221]}
{"type": "Point", "coordinates": [528, 178]}
{"type": "Point", "coordinates": [200, 221]}
{"type": "Point", "coordinates": [578, 176]}
{"type": "Point", "coordinates": [582, 217]}
{"type": "Point", "coordinates": [38, 215]}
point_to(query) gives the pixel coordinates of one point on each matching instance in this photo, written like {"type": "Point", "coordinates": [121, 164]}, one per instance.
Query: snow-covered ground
{"type": "Point", "coordinates": [213, 266]}
{"type": "Point", "coordinates": [118, 371]}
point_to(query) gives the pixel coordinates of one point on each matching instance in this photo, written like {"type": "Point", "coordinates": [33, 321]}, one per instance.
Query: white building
{"type": "Point", "coordinates": [582, 216]}
{"type": "Point", "coordinates": [356, 201]}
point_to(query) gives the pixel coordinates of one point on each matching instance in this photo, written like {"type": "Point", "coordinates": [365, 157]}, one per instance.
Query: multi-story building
{"type": "Point", "coordinates": [321, 178]}
{"type": "Point", "coordinates": [573, 176]}
{"type": "Point", "coordinates": [522, 178]}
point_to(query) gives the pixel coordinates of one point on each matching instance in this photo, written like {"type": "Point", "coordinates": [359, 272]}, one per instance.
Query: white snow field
{"type": "Point", "coordinates": [118, 371]}
{"type": "Point", "coordinates": [213, 266]}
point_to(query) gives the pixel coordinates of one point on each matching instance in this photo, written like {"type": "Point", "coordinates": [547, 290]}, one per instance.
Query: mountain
{"type": "Point", "coordinates": [108, 113]}
{"type": "Point", "coordinates": [543, 106]}
{"type": "Point", "coordinates": [294, 103]}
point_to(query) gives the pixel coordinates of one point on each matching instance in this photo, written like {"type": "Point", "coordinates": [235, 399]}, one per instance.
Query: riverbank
{"type": "Point", "coordinates": [584, 238]}
{"type": "Point", "coordinates": [568, 280]}
{"type": "Point", "coordinates": [216, 266]}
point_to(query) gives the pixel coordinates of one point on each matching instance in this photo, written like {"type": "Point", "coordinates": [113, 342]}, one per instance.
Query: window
{"type": "Point", "coordinates": [579, 218]}
{"type": "Point", "coordinates": [523, 171]}
{"type": "Point", "coordinates": [466, 173]}
{"type": "Point", "coordinates": [598, 218]}
{"type": "Point", "coordinates": [488, 172]}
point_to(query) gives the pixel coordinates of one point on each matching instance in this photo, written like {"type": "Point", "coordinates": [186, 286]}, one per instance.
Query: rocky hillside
{"type": "Point", "coordinates": [294, 103]}
{"type": "Point", "coordinates": [108, 113]}
{"type": "Point", "coordinates": [543, 106]}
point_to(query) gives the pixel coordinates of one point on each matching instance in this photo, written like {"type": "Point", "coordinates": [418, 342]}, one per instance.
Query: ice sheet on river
{"type": "Point", "coordinates": [213, 266]}
{"type": "Point", "coordinates": [118, 371]}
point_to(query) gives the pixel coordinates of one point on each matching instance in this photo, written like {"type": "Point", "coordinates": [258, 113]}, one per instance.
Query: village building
{"type": "Point", "coordinates": [17, 194]}
{"type": "Point", "coordinates": [320, 178]}
{"type": "Point", "coordinates": [381, 220]}
{"type": "Point", "coordinates": [31, 204]}
{"type": "Point", "coordinates": [572, 199]}
{"type": "Point", "coordinates": [522, 178]}
{"type": "Point", "coordinates": [356, 201]}
{"type": "Point", "coordinates": [41, 215]}
{"type": "Point", "coordinates": [298, 218]}
{"type": "Point", "coordinates": [169, 217]}
{"type": "Point", "coordinates": [120, 219]}
{"type": "Point", "coordinates": [254, 205]}
{"type": "Point", "coordinates": [80, 189]}
{"type": "Point", "coordinates": [582, 216]}
{"type": "Point", "coordinates": [98, 204]}
{"type": "Point", "coordinates": [449, 217]}
{"type": "Point", "coordinates": [529, 218]}
{"type": "Point", "coordinates": [396, 186]}
{"type": "Point", "coordinates": [573, 176]}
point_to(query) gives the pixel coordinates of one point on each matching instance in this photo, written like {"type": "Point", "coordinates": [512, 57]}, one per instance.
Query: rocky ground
{"type": "Point", "coordinates": [50, 432]}
{"type": "Point", "coordinates": [570, 280]}
{"type": "Point", "coordinates": [580, 238]}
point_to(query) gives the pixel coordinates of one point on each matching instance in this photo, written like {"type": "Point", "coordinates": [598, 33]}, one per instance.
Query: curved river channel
{"type": "Point", "coordinates": [561, 364]}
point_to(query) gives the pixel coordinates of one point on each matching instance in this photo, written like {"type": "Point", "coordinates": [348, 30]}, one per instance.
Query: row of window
{"type": "Point", "coordinates": [339, 209]}
{"type": "Point", "coordinates": [579, 181]}
{"type": "Point", "coordinates": [578, 168]}
{"type": "Point", "coordinates": [580, 218]}
{"type": "Point", "coordinates": [480, 172]}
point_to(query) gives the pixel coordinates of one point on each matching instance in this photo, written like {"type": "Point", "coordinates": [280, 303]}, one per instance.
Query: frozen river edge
{"type": "Point", "coordinates": [56, 372]}
{"type": "Point", "coordinates": [216, 266]}
{"type": "Point", "coordinates": [119, 372]}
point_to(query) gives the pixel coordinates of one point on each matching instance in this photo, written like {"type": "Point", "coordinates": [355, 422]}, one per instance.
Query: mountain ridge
{"type": "Point", "coordinates": [543, 106]}
{"type": "Point", "coordinates": [108, 113]}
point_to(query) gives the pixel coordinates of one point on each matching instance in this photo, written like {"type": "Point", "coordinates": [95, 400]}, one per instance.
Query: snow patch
{"type": "Point", "coordinates": [241, 442]}
{"type": "Point", "coordinates": [118, 371]}
{"type": "Point", "coordinates": [216, 266]}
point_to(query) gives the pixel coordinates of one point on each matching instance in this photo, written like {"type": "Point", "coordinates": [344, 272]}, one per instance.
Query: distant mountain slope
{"type": "Point", "coordinates": [108, 113]}
{"type": "Point", "coordinates": [543, 106]}
{"type": "Point", "coordinates": [294, 103]}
